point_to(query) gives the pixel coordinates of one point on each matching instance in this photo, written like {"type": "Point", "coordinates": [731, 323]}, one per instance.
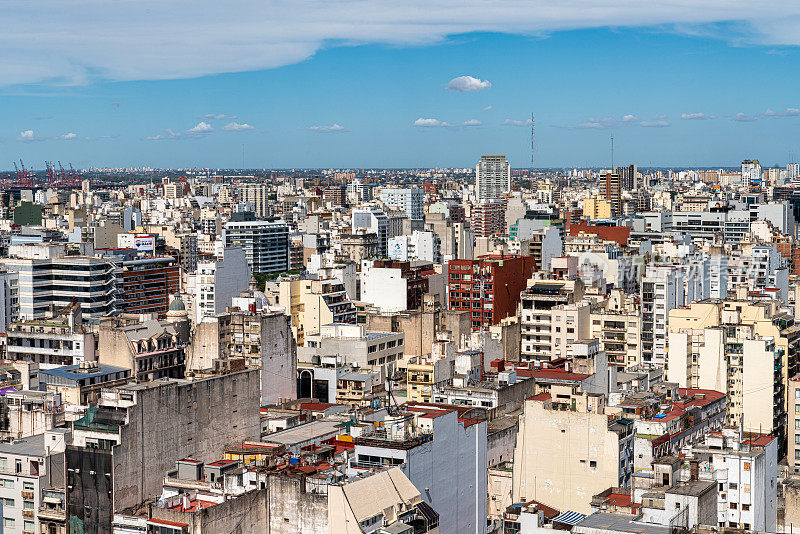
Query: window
{"type": "Point", "coordinates": [592, 464]}
{"type": "Point", "coordinates": [28, 505]}
{"type": "Point", "coordinates": [8, 503]}
{"type": "Point", "coordinates": [4, 462]}
{"type": "Point", "coordinates": [747, 466]}
{"type": "Point", "coordinates": [746, 508]}
{"type": "Point", "coordinates": [5, 483]}
{"type": "Point", "coordinates": [8, 522]}
{"type": "Point", "coordinates": [733, 506]}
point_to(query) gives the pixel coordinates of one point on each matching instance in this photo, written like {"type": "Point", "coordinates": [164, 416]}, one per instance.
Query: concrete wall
{"type": "Point", "coordinates": [231, 278]}
{"type": "Point", "coordinates": [564, 457]}
{"type": "Point", "coordinates": [450, 473]}
{"type": "Point", "coordinates": [292, 510]}
{"type": "Point", "coordinates": [242, 515]}
{"type": "Point", "coordinates": [204, 346]}
{"type": "Point", "coordinates": [173, 420]}
{"type": "Point", "coordinates": [278, 359]}
{"type": "Point", "coordinates": [500, 444]}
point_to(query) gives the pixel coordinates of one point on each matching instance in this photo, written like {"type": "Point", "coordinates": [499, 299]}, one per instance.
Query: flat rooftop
{"type": "Point", "coordinates": [306, 432]}
{"type": "Point", "coordinates": [617, 523]}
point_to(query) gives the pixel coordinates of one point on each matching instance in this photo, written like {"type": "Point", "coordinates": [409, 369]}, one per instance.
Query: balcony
{"type": "Point", "coordinates": [56, 513]}
{"type": "Point", "coordinates": [27, 513]}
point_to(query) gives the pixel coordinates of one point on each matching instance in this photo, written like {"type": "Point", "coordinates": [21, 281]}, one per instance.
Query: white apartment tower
{"type": "Point", "coordinates": [492, 177]}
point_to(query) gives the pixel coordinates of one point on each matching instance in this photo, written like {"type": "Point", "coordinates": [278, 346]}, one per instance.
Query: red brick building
{"type": "Point", "coordinates": [488, 287]}
{"type": "Point", "coordinates": [147, 284]}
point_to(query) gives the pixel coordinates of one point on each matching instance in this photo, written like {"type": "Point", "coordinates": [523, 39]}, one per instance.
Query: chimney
{"type": "Point", "coordinates": [694, 469]}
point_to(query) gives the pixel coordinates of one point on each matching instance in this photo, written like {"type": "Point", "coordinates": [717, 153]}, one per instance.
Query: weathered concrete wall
{"type": "Point", "coordinates": [278, 360]}
{"type": "Point", "coordinates": [245, 514]}
{"type": "Point", "coordinates": [175, 420]}
{"type": "Point", "coordinates": [292, 511]}
{"type": "Point", "coordinates": [501, 443]}
{"type": "Point", "coordinates": [204, 346]}
{"type": "Point", "coordinates": [113, 347]}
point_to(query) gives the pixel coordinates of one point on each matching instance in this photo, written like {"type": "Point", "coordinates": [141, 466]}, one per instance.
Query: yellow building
{"type": "Point", "coordinates": [568, 450]}
{"type": "Point", "coordinates": [596, 208]}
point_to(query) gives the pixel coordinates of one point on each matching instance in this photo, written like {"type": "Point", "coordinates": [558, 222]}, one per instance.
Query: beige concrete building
{"type": "Point", "coordinates": [569, 450]}
{"type": "Point", "coordinates": [738, 348]}
{"type": "Point", "coordinates": [314, 303]}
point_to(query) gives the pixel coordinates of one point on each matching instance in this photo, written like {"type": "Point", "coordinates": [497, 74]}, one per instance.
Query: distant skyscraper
{"type": "Point", "coordinates": [627, 177]}
{"type": "Point", "coordinates": [793, 171]}
{"type": "Point", "coordinates": [492, 177]}
{"type": "Point", "coordinates": [613, 193]}
{"type": "Point", "coordinates": [751, 171]}
{"type": "Point", "coordinates": [409, 200]}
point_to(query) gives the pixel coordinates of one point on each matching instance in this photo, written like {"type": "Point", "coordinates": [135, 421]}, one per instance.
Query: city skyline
{"type": "Point", "coordinates": [692, 89]}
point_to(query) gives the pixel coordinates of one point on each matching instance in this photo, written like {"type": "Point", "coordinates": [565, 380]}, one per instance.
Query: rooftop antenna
{"type": "Point", "coordinates": [533, 139]}
{"type": "Point", "coordinates": [612, 153]}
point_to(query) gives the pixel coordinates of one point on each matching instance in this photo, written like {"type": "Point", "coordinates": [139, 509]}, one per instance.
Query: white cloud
{"type": "Point", "coordinates": [153, 39]}
{"type": "Point", "coordinates": [67, 136]}
{"type": "Point", "coordinates": [597, 124]}
{"type": "Point", "coordinates": [237, 127]}
{"type": "Point", "coordinates": [327, 129]}
{"type": "Point", "coordinates": [429, 123]}
{"type": "Point", "coordinates": [216, 117]}
{"type": "Point", "coordinates": [200, 129]}
{"type": "Point", "coordinates": [655, 124]}
{"type": "Point", "coordinates": [630, 118]}
{"type": "Point", "coordinates": [697, 116]}
{"type": "Point", "coordinates": [514, 122]}
{"type": "Point", "coordinates": [788, 112]}
{"type": "Point", "coordinates": [487, 108]}
{"type": "Point", "coordinates": [26, 135]}
{"type": "Point", "coordinates": [744, 117]}
{"type": "Point", "coordinates": [463, 84]}
{"type": "Point", "coordinates": [472, 122]}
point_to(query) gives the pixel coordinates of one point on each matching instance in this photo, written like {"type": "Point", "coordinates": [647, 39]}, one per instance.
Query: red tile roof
{"type": "Point", "coordinates": [620, 234]}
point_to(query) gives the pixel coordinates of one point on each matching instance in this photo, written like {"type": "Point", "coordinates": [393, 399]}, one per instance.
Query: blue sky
{"type": "Point", "coordinates": [696, 96]}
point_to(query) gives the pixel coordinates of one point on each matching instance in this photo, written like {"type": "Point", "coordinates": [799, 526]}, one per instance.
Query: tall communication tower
{"type": "Point", "coordinates": [533, 143]}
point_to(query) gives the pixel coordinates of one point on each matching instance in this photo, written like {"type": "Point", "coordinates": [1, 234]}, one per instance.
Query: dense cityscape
{"type": "Point", "coordinates": [485, 349]}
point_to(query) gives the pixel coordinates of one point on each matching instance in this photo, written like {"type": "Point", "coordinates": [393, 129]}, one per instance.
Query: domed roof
{"type": "Point", "coordinates": [177, 305]}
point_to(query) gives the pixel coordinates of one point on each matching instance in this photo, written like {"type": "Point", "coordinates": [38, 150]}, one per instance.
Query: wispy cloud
{"type": "Point", "coordinates": [216, 117]}
{"type": "Point", "coordinates": [788, 112]}
{"type": "Point", "coordinates": [697, 116]}
{"type": "Point", "coordinates": [597, 124]}
{"type": "Point", "coordinates": [515, 122]}
{"type": "Point", "coordinates": [328, 129]}
{"type": "Point", "coordinates": [119, 41]}
{"type": "Point", "coordinates": [487, 108]}
{"type": "Point", "coordinates": [237, 127]}
{"type": "Point", "coordinates": [630, 118]}
{"type": "Point", "coordinates": [28, 136]}
{"type": "Point", "coordinates": [472, 122]}
{"type": "Point", "coordinates": [744, 117]}
{"type": "Point", "coordinates": [464, 84]}
{"type": "Point", "coordinates": [655, 124]}
{"type": "Point", "coordinates": [201, 129]}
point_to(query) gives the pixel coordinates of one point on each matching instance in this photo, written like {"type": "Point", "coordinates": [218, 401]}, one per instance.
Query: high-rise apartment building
{"type": "Point", "coordinates": [492, 177]}
{"type": "Point", "coordinates": [374, 221]}
{"type": "Point", "coordinates": [59, 281]}
{"type": "Point", "coordinates": [410, 200]}
{"type": "Point", "coordinates": [627, 177]}
{"type": "Point", "coordinates": [613, 193]}
{"type": "Point", "coordinates": [488, 287]}
{"type": "Point", "coordinates": [488, 218]}
{"type": "Point", "coordinates": [751, 171]}
{"type": "Point", "coordinates": [257, 195]}
{"type": "Point", "coordinates": [265, 244]}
